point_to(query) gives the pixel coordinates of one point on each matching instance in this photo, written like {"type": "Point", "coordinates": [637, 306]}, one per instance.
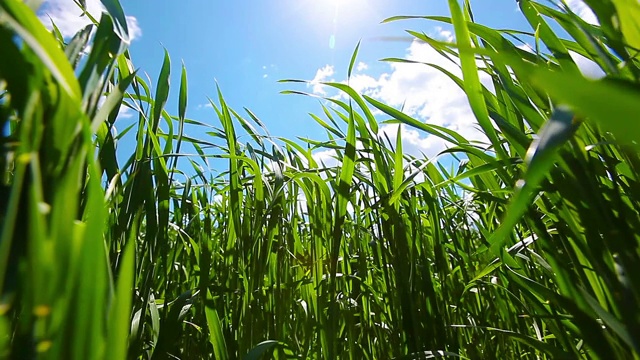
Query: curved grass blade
{"type": "Point", "coordinates": [17, 17]}
{"type": "Point", "coordinates": [540, 158]}
{"type": "Point", "coordinates": [115, 10]}
{"type": "Point", "coordinates": [353, 60]}
{"type": "Point", "coordinates": [472, 85]}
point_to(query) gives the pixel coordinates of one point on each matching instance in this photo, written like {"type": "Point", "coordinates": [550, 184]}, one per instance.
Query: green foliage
{"type": "Point", "coordinates": [525, 247]}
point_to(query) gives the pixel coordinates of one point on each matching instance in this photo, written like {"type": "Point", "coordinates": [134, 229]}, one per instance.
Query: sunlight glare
{"type": "Point", "coordinates": [338, 18]}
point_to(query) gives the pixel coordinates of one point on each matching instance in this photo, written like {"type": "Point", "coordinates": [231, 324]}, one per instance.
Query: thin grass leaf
{"type": "Point", "coordinates": [472, 85]}
{"type": "Point", "coordinates": [354, 56]}
{"type": "Point", "coordinates": [17, 17]}
{"type": "Point", "coordinates": [216, 336]}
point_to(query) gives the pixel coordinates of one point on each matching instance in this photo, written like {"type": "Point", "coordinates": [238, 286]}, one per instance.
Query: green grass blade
{"type": "Point", "coordinates": [472, 85]}
{"type": "Point", "coordinates": [17, 17]}
{"type": "Point", "coordinates": [162, 91]}
{"type": "Point", "coordinates": [354, 56]}
{"type": "Point", "coordinates": [216, 336]}
{"type": "Point", "coordinates": [120, 313]}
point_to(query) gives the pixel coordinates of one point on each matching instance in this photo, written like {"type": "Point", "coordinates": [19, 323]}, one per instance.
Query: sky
{"type": "Point", "coordinates": [247, 46]}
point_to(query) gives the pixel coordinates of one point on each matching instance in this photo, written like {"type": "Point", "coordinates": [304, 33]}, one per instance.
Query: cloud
{"type": "Point", "coordinates": [126, 112]}
{"type": "Point", "coordinates": [444, 34]}
{"type": "Point", "coordinates": [322, 75]}
{"type": "Point", "coordinates": [526, 47]}
{"type": "Point", "coordinates": [326, 158]}
{"type": "Point", "coordinates": [204, 106]}
{"type": "Point", "coordinates": [422, 92]}
{"type": "Point", "coordinates": [365, 84]}
{"type": "Point", "coordinates": [362, 66]}
{"type": "Point", "coordinates": [427, 94]}
{"type": "Point", "coordinates": [67, 17]}
{"type": "Point", "coordinates": [588, 67]}
{"type": "Point", "coordinates": [581, 9]}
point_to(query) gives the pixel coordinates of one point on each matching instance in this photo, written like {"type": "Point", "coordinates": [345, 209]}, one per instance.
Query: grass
{"type": "Point", "coordinates": [525, 248]}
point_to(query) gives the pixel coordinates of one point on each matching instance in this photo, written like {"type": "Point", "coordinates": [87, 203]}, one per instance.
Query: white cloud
{"type": "Point", "coordinates": [134, 29]}
{"type": "Point", "coordinates": [361, 66]}
{"type": "Point", "coordinates": [67, 17]}
{"type": "Point", "coordinates": [588, 68]}
{"type": "Point", "coordinates": [364, 84]}
{"type": "Point", "coordinates": [445, 35]}
{"type": "Point", "coordinates": [322, 75]}
{"type": "Point", "coordinates": [424, 93]}
{"type": "Point", "coordinates": [326, 157]}
{"type": "Point", "coordinates": [526, 47]}
{"type": "Point", "coordinates": [581, 9]}
{"type": "Point", "coordinates": [126, 112]}
{"type": "Point", "coordinates": [204, 106]}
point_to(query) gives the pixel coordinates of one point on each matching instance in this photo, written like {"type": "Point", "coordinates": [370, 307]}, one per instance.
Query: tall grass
{"type": "Point", "coordinates": [527, 247]}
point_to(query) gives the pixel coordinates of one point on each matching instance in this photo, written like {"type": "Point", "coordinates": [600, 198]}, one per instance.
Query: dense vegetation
{"type": "Point", "coordinates": [383, 256]}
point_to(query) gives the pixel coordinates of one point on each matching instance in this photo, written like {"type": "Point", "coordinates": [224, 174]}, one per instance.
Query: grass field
{"type": "Point", "coordinates": [526, 247]}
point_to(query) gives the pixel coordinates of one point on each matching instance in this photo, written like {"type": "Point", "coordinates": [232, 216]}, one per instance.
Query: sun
{"type": "Point", "coordinates": [339, 17]}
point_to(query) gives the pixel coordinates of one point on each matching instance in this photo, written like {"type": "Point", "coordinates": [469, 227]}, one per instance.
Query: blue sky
{"type": "Point", "coordinates": [246, 46]}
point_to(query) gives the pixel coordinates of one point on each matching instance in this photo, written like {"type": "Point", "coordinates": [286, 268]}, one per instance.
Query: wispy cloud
{"type": "Point", "coordinates": [581, 9]}
{"type": "Point", "coordinates": [421, 92]}
{"type": "Point", "coordinates": [204, 106]}
{"type": "Point", "coordinates": [126, 112]}
{"type": "Point", "coordinates": [526, 47]}
{"type": "Point", "coordinates": [587, 66]}
{"type": "Point", "coordinates": [326, 158]}
{"type": "Point", "coordinates": [67, 16]}
{"type": "Point", "coordinates": [322, 75]}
